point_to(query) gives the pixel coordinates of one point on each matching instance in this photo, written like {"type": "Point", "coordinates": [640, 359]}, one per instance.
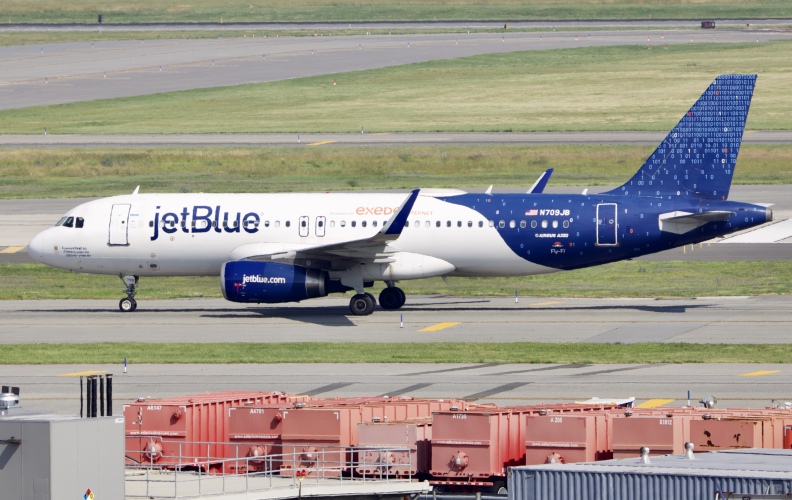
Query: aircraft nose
{"type": "Point", "coordinates": [36, 247]}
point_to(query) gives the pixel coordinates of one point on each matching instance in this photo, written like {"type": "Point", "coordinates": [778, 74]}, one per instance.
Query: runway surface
{"type": "Point", "coordinates": [727, 320]}
{"type": "Point", "coordinates": [327, 27]}
{"type": "Point", "coordinates": [378, 139]}
{"type": "Point", "coordinates": [37, 75]}
{"type": "Point", "coordinates": [56, 387]}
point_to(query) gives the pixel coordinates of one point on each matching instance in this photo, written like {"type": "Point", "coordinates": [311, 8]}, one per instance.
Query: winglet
{"type": "Point", "coordinates": [399, 220]}
{"type": "Point", "coordinates": [541, 182]}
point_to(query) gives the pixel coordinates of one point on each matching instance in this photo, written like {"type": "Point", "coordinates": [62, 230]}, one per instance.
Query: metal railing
{"type": "Point", "coordinates": [161, 468]}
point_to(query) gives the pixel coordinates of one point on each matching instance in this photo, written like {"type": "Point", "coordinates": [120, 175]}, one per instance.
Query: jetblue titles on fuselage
{"type": "Point", "coordinates": [202, 219]}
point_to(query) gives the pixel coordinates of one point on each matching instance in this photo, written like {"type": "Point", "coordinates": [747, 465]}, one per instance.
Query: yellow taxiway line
{"type": "Point", "coordinates": [760, 374]}
{"type": "Point", "coordinates": [83, 374]}
{"type": "Point", "coordinates": [14, 249]}
{"type": "Point", "coordinates": [439, 326]}
{"type": "Point", "coordinates": [321, 143]}
{"type": "Point", "coordinates": [654, 403]}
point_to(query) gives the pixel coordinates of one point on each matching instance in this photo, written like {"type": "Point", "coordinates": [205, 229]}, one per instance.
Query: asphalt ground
{"type": "Point", "coordinates": [363, 139]}
{"type": "Point", "coordinates": [55, 388]}
{"type": "Point", "coordinates": [37, 75]}
{"type": "Point", "coordinates": [326, 27]}
{"type": "Point", "coordinates": [728, 320]}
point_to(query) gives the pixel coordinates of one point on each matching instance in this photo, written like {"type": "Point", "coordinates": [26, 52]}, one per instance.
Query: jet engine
{"type": "Point", "coordinates": [272, 282]}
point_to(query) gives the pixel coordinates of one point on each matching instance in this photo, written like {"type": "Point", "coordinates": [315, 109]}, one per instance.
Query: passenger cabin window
{"type": "Point", "coordinates": [481, 223]}
{"type": "Point", "coordinates": [363, 224]}
{"type": "Point", "coordinates": [437, 224]}
{"type": "Point", "coordinates": [288, 223]}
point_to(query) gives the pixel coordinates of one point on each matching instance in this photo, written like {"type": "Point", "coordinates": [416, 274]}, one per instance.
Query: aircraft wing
{"type": "Point", "coordinates": [337, 255]}
{"type": "Point", "coordinates": [682, 222]}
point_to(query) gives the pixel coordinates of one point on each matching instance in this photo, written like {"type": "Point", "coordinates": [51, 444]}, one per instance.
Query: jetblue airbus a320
{"type": "Point", "coordinates": [271, 248]}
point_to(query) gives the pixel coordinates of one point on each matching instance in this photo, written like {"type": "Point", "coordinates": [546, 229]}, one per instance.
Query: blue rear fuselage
{"type": "Point", "coordinates": [565, 231]}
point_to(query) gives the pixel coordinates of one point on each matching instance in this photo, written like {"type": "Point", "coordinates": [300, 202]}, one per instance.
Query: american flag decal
{"type": "Point", "coordinates": [533, 212]}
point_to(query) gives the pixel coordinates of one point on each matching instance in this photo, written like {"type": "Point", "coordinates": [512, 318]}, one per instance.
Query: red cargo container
{"type": "Point", "coordinates": [184, 431]}
{"type": "Point", "coordinates": [732, 432]}
{"type": "Point", "coordinates": [477, 446]}
{"type": "Point", "coordinates": [415, 436]}
{"type": "Point", "coordinates": [254, 431]}
{"type": "Point", "coordinates": [664, 433]}
{"type": "Point", "coordinates": [307, 430]}
{"type": "Point", "coordinates": [567, 438]}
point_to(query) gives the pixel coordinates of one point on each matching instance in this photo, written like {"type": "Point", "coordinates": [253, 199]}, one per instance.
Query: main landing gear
{"type": "Point", "coordinates": [363, 304]}
{"type": "Point", "coordinates": [129, 304]}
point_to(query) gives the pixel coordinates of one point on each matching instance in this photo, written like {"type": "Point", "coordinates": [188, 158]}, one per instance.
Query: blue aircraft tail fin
{"type": "Point", "coordinates": [698, 157]}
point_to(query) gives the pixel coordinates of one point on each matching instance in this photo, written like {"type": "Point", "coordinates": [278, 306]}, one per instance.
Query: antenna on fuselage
{"type": "Point", "coordinates": [136, 190]}
{"type": "Point", "coordinates": [489, 190]}
{"type": "Point", "coordinates": [585, 192]}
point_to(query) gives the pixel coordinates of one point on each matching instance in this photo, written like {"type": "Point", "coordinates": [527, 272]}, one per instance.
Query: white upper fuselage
{"type": "Point", "coordinates": [195, 234]}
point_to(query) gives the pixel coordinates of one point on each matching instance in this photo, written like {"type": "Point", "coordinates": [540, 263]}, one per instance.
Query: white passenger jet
{"type": "Point", "coordinates": [271, 248]}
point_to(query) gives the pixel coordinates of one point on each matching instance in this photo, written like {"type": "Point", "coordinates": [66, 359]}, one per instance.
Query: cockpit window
{"type": "Point", "coordinates": [79, 222]}
{"type": "Point", "coordinates": [60, 222]}
{"type": "Point", "coordinates": [69, 222]}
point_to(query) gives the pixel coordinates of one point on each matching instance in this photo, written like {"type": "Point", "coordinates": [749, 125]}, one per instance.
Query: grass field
{"type": "Point", "coordinates": [351, 352]}
{"type": "Point", "coordinates": [67, 173]}
{"type": "Point", "coordinates": [620, 279]}
{"type": "Point", "coordinates": [626, 88]}
{"type": "Point", "coordinates": [115, 11]}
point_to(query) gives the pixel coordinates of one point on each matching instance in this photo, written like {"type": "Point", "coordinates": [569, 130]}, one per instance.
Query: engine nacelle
{"type": "Point", "coordinates": [271, 282]}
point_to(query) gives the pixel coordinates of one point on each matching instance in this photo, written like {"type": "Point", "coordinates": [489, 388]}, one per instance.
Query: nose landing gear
{"type": "Point", "coordinates": [129, 304]}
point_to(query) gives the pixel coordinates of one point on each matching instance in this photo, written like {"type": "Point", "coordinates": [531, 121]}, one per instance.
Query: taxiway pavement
{"type": "Point", "coordinates": [38, 75]}
{"type": "Point", "coordinates": [727, 320]}
{"type": "Point", "coordinates": [55, 388]}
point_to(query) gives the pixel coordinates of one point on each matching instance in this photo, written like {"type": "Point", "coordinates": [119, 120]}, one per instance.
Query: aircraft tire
{"type": "Point", "coordinates": [362, 304]}
{"type": "Point", "coordinates": [392, 298]}
{"type": "Point", "coordinates": [127, 305]}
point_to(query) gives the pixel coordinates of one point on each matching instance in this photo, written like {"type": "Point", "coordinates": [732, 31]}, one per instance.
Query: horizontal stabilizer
{"type": "Point", "coordinates": [683, 222]}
